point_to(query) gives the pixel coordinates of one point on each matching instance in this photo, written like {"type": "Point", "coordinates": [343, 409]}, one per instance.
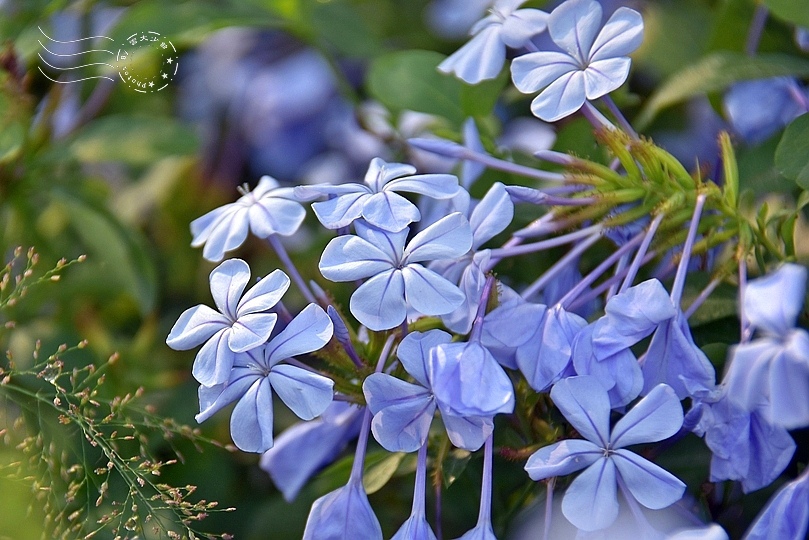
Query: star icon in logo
{"type": "Point", "coordinates": [164, 75]}
{"type": "Point", "coordinates": [169, 60]}
{"type": "Point", "coordinates": [151, 83]}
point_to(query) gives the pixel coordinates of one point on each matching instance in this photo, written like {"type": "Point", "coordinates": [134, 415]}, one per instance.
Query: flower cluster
{"type": "Point", "coordinates": [577, 369]}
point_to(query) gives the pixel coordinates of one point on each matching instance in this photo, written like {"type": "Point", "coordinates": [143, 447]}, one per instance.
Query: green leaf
{"type": "Point", "coordinates": [377, 474]}
{"type": "Point", "coordinates": [409, 80]}
{"type": "Point", "coordinates": [134, 140]}
{"type": "Point", "coordinates": [454, 465]}
{"type": "Point", "coordinates": [120, 258]}
{"type": "Point", "coordinates": [791, 11]}
{"type": "Point", "coordinates": [716, 72]}
{"type": "Point", "coordinates": [342, 26]}
{"type": "Point", "coordinates": [792, 154]}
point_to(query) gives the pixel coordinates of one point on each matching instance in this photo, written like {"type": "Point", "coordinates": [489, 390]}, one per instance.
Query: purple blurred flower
{"type": "Point", "coordinates": [257, 373]}
{"type": "Point", "coordinates": [306, 447]}
{"type": "Point", "coordinates": [786, 516]}
{"type": "Point", "coordinates": [397, 280]}
{"type": "Point", "coordinates": [591, 501]}
{"type": "Point", "coordinates": [593, 63]}
{"type": "Point", "coordinates": [240, 324]}
{"type": "Point", "coordinates": [757, 109]}
{"type": "Point", "coordinates": [483, 56]}
{"type": "Point", "coordinates": [745, 446]}
{"type": "Point", "coordinates": [771, 373]}
{"type": "Point", "coordinates": [376, 201]}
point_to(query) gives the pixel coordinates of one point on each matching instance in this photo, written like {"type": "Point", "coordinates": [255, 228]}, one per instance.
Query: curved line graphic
{"type": "Point", "coordinates": [76, 67]}
{"type": "Point", "coordinates": [74, 54]}
{"type": "Point", "coordinates": [77, 80]}
{"type": "Point", "coordinates": [73, 40]}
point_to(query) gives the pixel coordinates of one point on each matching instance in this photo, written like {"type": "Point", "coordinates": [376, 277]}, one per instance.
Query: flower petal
{"type": "Point", "coordinates": [491, 216]}
{"type": "Point", "coordinates": [404, 427]}
{"type": "Point", "coordinates": [214, 360]}
{"type": "Point", "coordinates": [562, 458]}
{"type": "Point", "coordinates": [561, 98]}
{"type": "Point", "coordinates": [273, 215]}
{"type": "Point", "coordinates": [349, 257]}
{"type": "Point", "coordinates": [435, 186]}
{"type": "Point", "coordinates": [656, 417]}
{"type": "Point", "coordinates": [341, 210]}
{"type": "Point", "coordinates": [534, 71]}
{"type": "Point", "coordinates": [591, 502]}
{"type": "Point", "coordinates": [380, 172]}
{"type": "Point", "coordinates": [379, 303]}
{"type": "Point", "coordinates": [252, 418]}
{"type": "Point", "coordinates": [467, 432]}
{"type": "Point", "coordinates": [264, 294]}
{"type": "Point", "coordinates": [213, 398]}
{"type": "Point", "coordinates": [621, 35]}
{"type": "Point", "coordinates": [307, 394]}
{"type": "Point", "coordinates": [574, 25]}
{"type": "Point", "coordinates": [309, 331]}
{"type": "Point", "coordinates": [428, 293]}
{"type": "Point", "coordinates": [604, 76]}
{"type": "Point", "coordinates": [481, 58]}
{"type": "Point", "coordinates": [195, 325]}
{"type": "Point", "coordinates": [414, 350]}
{"type": "Point", "coordinates": [343, 513]}
{"type": "Point", "coordinates": [773, 302]}
{"type": "Point", "coordinates": [228, 281]}
{"type": "Point", "coordinates": [447, 238]}
{"type": "Point", "coordinates": [583, 401]}
{"type": "Point", "coordinates": [226, 234]}
{"type": "Point", "coordinates": [250, 331]}
{"type": "Point", "coordinates": [389, 211]}
{"type": "Point", "coordinates": [521, 25]}
{"type": "Point", "coordinates": [652, 486]}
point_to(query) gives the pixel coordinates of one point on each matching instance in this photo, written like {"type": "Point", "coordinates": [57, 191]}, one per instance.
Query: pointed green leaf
{"type": "Point", "coordinates": [377, 474]}
{"type": "Point", "coordinates": [792, 154]}
{"type": "Point", "coordinates": [716, 72]}
{"type": "Point", "coordinates": [791, 11]}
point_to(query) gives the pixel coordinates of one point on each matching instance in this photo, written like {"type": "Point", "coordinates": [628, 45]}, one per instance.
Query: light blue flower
{"type": "Point", "coordinates": [341, 514]}
{"type": "Point", "coordinates": [593, 61]}
{"type": "Point", "coordinates": [759, 108]}
{"type": "Point", "coordinates": [377, 200]}
{"type": "Point", "coordinates": [240, 324]}
{"type": "Point", "coordinates": [771, 373]}
{"type": "Point", "coordinates": [591, 502]}
{"type": "Point", "coordinates": [416, 526]}
{"type": "Point", "coordinates": [745, 446]}
{"type": "Point", "coordinates": [786, 516]}
{"type": "Point", "coordinates": [268, 209]}
{"type": "Point", "coordinates": [301, 450]}
{"type": "Point", "coordinates": [488, 218]}
{"type": "Point", "coordinates": [259, 372]}
{"type": "Point", "coordinates": [483, 56]}
{"type": "Point", "coordinates": [397, 280]}
{"type": "Point", "coordinates": [404, 411]}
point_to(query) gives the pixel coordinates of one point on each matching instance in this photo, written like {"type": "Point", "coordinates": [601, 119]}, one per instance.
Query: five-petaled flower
{"type": "Point", "coordinates": [591, 502]}
{"type": "Point", "coordinates": [397, 280]}
{"type": "Point", "coordinates": [593, 61]}
{"type": "Point", "coordinates": [240, 324]}
{"type": "Point", "coordinates": [267, 210]}
{"type": "Point", "coordinates": [377, 200]}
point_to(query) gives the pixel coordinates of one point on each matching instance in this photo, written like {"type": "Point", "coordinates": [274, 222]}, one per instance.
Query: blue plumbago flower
{"type": "Point", "coordinates": [593, 63]}
{"type": "Point", "coordinates": [745, 446]}
{"type": "Point", "coordinates": [267, 210]}
{"type": "Point", "coordinates": [258, 372]}
{"type": "Point", "coordinates": [772, 372]}
{"type": "Point", "coordinates": [802, 38]}
{"type": "Point", "coordinates": [240, 324]}
{"type": "Point", "coordinates": [546, 356]}
{"type": "Point", "coordinates": [758, 109]}
{"type": "Point", "coordinates": [403, 411]}
{"type": "Point", "coordinates": [591, 502]}
{"type": "Point", "coordinates": [786, 516]}
{"type": "Point", "coordinates": [397, 280]}
{"type": "Point", "coordinates": [377, 200]}
{"type": "Point", "coordinates": [306, 447]}
{"type": "Point", "coordinates": [510, 326]}
{"type": "Point", "coordinates": [489, 217]}
{"type": "Point", "coordinates": [346, 512]}
{"type": "Point", "coordinates": [416, 526]}
{"type": "Point", "coordinates": [484, 55]}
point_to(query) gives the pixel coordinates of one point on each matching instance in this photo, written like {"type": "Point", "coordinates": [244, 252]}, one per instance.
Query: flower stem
{"type": "Point", "coordinates": [547, 244]}
{"type": "Point", "coordinates": [596, 119]}
{"type": "Point", "coordinates": [421, 481]}
{"type": "Point", "coordinates": [477, 325]}
{"type": "Point", "coordinates": [278, 247]}
{"type": "Point", "coordinates": [745, 332]}
{"type": "Point", "coordinates": [485, 514]}
{"type": "Point", "coordinates": [682, 268]}
{"type": "Point", "coordinates": [560, 266]}
{"type": "Point", "coordinates": [546, 531]}
{"type": "Point", "coordinates": [756, 29]}
{"type": "Point", "coordinates": [619, 116]}
{"type": "Point", "coordinates": [698, 301]}
{"type": "Point", "coordinates": [644, 247]}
